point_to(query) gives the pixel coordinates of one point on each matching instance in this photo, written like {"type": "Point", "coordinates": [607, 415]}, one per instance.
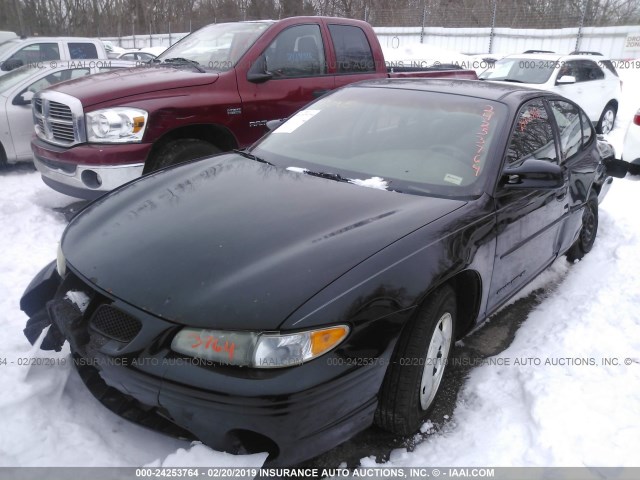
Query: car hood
{"type": "Point", "coordinates": [232, 243]}
{"type": "Point", "coordinates": [126, 82]}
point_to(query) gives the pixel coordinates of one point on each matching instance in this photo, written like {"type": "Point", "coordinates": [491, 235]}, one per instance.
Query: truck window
{"type": "Point", "coordinates": [296, 52]}
{"type": "Point", "coordinates": [353, 52]}
{"type": "Point", "coordinates": [82, 50]}
{"type": "Point", "coordinates": [37, 52]}
{"type": "Point", "coordinates": [57, 77]}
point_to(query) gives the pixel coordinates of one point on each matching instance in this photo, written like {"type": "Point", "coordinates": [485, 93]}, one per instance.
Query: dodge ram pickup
{"type": "Point", "coordinates": [213, 91]}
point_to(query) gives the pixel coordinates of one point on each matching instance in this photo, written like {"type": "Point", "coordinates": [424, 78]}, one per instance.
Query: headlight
{"type": "Point", "coordinates": [116, 125]}
{"type": "Point", "coordinates": [61, 263]}
{"type": "Point", "coordinates": [258, 350]}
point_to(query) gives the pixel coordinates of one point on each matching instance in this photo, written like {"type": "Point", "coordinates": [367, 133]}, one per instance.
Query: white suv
{"type": "Point", "coordinates": [587, 78]}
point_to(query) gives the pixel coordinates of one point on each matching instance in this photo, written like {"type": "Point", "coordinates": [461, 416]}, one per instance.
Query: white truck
{"type": "Point", "coordinates": [36, 51]}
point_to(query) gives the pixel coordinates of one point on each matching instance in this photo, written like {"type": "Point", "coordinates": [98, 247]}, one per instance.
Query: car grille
{"type": "Point", "coordinates": [58, 118]}
{"type": "Point", "coordinates": [115, 324]}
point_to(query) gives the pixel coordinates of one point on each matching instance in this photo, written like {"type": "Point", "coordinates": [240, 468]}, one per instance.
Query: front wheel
{"type": "Point", "coordinates": [588, 232]}
{"type": "Point", "coordinates": [413, 379]}
{"type": "Point", "coordinates": [179, 151]}
{"type": "Point", "coordinates": [607, 119]}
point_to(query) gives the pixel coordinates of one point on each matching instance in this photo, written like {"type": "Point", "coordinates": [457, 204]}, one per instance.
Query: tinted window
{"type": "Point", "coordinates": [609, 66]}
{"type": "Point", "coordinates": [587, 128]}
{"type": "Point", "coordinates": [38, 52]}
{"type": "Point", "coordinates": [410, 141]}
{"type": "Point", "coordinates": [83, 50]}
{"type": "Point", "coordinates": [587, 70]}
{"type": "Point", "coordinates": [296, 52]}
{"type": "Point", "coordinates": [353, 52]}
{"type": "Point", "coordinates": [567, 117]}
{"type": "Point", "coordinates": [532, 136]}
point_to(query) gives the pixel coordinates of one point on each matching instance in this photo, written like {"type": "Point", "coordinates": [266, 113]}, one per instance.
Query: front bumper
{"type": "Point", "coordinates": [294, 413]}
{"type": "Point", "coordinates": [72, 171]}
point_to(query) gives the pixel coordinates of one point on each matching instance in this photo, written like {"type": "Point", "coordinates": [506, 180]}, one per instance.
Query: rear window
{"type": "Point", "coordinates": [83, 50]}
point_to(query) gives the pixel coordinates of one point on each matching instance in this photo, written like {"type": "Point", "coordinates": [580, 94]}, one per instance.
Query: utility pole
{"type": "Point", "coordinates": [20, 20]}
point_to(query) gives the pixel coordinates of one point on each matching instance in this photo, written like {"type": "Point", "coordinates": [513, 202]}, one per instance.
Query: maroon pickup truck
{"type": "Point", "coordinates": [213, 91]}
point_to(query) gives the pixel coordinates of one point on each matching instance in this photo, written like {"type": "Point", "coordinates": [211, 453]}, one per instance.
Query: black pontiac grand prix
{"type": "Point", "coordinates": [284, 298]}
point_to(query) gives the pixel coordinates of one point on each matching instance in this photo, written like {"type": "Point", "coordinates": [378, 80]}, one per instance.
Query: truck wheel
{"type": "Point", "coordinates": [607, 119]}
{"type": "Point", "coordinates": [179, 151]}
{"type": "Point", "coordinates": [413, 378]}
{"type": "Point", "coordinates": [588, 232]}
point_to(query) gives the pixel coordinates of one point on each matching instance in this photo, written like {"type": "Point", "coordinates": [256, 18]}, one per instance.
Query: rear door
{"type": "Point", "coordinates": [353, 54]}
{"type": "Point", "coordinates": [528, 220]}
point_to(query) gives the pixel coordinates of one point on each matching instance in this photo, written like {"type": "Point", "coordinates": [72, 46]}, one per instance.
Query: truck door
{"type": "Point", "coordinates": [354, 58]}
{"type": "Point", "coordinates": [290, 72]}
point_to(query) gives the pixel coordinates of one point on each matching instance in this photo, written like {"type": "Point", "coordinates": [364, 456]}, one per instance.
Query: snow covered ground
{"type": "Point", "coordinates": [531, 415]}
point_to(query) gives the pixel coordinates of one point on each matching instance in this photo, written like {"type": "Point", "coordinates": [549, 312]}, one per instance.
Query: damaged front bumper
{"type": "Point", "coordinates": [122, 354]}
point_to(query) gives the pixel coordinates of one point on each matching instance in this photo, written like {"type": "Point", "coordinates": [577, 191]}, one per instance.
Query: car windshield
{"type": "Point", "coordinates": [216, 47]}
{"type": "Point", "coordinates": [14, 77]}
{"type": "Point", "coordinates": [521, 70]}
{"type": "Point", "coordinates": [403, 140]}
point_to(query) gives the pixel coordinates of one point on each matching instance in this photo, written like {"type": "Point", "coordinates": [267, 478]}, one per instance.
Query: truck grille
{"type": "Point", "coordinates": [58, 118]}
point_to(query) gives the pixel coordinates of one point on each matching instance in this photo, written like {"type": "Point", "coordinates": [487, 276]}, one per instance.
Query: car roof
{"type": "Point", "coordinates": [557, 56]}
{"type": "Point", "coordinates": [510, 94]}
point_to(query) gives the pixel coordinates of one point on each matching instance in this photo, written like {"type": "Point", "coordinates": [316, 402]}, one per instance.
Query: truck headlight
{"type": "Point", "coordinates": [258, 350]}
{"type": "Point", "coordinates": [116, 125]}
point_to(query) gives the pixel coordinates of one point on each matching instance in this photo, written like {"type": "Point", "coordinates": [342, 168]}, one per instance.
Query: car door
{"type": "Point", "coordinates": [579, 158]}
{"type": "Point", "coordinates": [296, 61]}
{"type": "Point", "coordinates": [528, 220]}
{"type": "Point", "coordinates": [19, 108]}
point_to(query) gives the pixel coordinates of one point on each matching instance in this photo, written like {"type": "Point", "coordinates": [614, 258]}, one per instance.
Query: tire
{"type": "Point", "coordinates": [588, 231]}
{"type": "Point", "coordinates": [420, 359]}
{"type": "Point", "coordinates": [180, 151]}
{"type": "Point", "coordinates": [3, 158]}
{"type": "Point", "coordinates": [607, 119]}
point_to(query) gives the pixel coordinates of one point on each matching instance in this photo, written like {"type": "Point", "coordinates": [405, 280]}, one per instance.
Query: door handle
{"type": "Point", "coordinates": [319, 93]}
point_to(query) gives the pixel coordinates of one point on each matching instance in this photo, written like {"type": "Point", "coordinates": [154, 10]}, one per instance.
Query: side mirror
{"type": "Point", "coordinates": [258, 72]}
{"type": "Point", "coordinates": [273, 124]}
{"type": "Point", "coordinates": [634, 170]}
{"type": "Point", "coordinates": [11, 64]}
{"type": "Point", "coordinates": [533, 173]}
{"type": "Point", "coordinates": [566, 79]}
{"type": "Point", "coordinates": [24, 98]}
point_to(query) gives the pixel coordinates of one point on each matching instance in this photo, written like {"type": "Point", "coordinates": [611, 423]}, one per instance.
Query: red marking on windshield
{"type": "Point", "coordinates": [485, 129]}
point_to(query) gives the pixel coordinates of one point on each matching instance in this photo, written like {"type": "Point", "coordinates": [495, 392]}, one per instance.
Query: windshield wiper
{"type": "Point", "coordinates": [185, 61]}
{"type": "Point", "coordinates": [510, 80]}
{"type": "Point", "coordinates": [251, 156]}
{"type": "Point", "coordinates": [328, 175]}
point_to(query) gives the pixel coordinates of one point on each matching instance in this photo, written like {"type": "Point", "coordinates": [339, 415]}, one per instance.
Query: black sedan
{"type": "Point", "coordinates": [284, 298]}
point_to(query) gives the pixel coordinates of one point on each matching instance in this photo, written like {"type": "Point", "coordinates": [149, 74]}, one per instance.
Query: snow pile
{"type": "Point", "coordinates": [373, 182]}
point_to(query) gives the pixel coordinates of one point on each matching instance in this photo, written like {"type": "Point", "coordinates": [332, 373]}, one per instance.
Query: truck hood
{"type": "Point", "coordinates": [126, 82]}
{"type": "Point", "coordinates": [231, 243]}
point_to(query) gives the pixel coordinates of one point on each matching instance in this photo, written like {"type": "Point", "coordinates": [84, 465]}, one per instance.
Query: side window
{"type": "Point", "coordinates": [37, 52]}
{"type": "Point", "coordinates": [587, 129]}
{"type": "Point", "coordinates": [532, 136]}
{"type": "Point", "coordinates": [82, 50]}
{"type": "Point", "coordinates": [57, 77]}
{"type": "Point", "coordinates": [567, 117]}
{"type": "Point", "coordinates": [568, 69]}
{"type": "Point", "coordinates": [296, 52]}
{"type": "Point", "coordinates": [353, 52]}
{"type": "Point", "coordinates": [588, 70]}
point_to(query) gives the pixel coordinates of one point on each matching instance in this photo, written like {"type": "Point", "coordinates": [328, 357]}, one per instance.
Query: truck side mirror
{"type": "Point", "coordinates": [11, 64]}
{"type": "Point", "coordinates": [258, 72]}
{"type": "Point", "coordinates": [23, 98]}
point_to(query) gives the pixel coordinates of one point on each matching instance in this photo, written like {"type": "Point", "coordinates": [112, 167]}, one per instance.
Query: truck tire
{"type": "Point", "coordinates": [607, 119]}
{"type": "Point", "coordinates": [588, 231]}
{"type": "Point", "coordinates": [413, 378]}
{"type": "Point", "coordinates": [179, 151]}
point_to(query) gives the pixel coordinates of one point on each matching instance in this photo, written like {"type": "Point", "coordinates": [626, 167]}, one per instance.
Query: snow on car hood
{"type": "Point", "coordinates": [228, 242]}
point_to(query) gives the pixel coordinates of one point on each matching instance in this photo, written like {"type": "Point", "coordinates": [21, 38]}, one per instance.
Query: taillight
{"type": "Point", "coordinates": [636, 118]}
